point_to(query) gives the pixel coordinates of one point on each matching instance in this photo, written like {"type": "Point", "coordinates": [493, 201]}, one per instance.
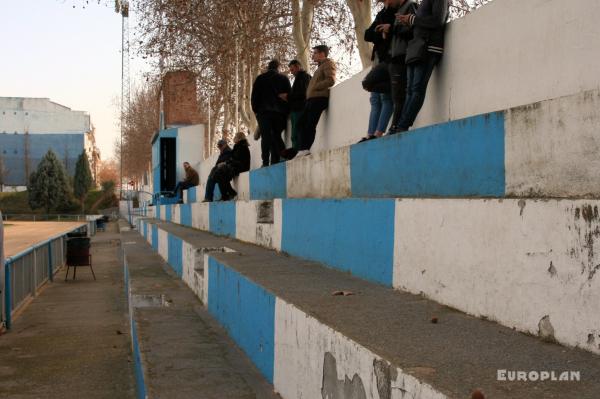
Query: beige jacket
{"type": "Point", "coordinates": [322, 80]}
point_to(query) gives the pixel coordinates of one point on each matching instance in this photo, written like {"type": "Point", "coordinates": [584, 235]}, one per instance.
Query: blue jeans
{"type": "Point", "coordinates": [182, 185]}
{"type": "Point", "coordinates": [418, 75]}
{"type": "Point", "coordinates": [382, 108]}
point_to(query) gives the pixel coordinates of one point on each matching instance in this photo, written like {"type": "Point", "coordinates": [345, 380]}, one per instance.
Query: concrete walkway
{"type": "Point", "coordinates": [72, 341]}
{"type": "Point", "coordinates": [185, 354]}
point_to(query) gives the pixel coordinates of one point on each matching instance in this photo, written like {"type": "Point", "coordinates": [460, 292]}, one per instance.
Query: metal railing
{"type": "Point", "coordinates": [26, 272]}
{"type": "Point", "coordinates": [24, 217]}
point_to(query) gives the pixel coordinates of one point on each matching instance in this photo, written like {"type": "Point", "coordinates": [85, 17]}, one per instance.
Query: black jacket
{"type": "Point", "coordinates": [297, 97]}
{"type": "Point", "coordinates": [224, 155]}
{"type": "Point", "coordinates": [430, 23]}
{"type": "Point", "coordinates": [381, 46]}
{"type": "Point", "coordinates": [240, 157]}
{"type": "Point", "coordinates": [402, 34]}
{"type": "Point", "coordinates": [266, 90]}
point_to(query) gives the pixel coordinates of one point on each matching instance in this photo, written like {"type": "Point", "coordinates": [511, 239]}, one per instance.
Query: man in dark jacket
{"type": "Point", "coordinates": [401, 35]}
{"type": "Point", "coordinates": [297, 98]}
{"type": "Point", "coordinates": [423, 54]}
{"type": "Point", "coordinates": [238, 163]}
{"type": "Point", "coordinates": [270, 104]}
{"type": "Point", "coordinates": [191, 179]}
{"type": "Point", "coordinates": [224, 156]}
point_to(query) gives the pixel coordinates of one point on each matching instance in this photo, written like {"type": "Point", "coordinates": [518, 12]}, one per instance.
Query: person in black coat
{"type": "Point", "coordinates": [224, 156]}
{"type": "Point", "coordinates": [238, 163]}
{"type": "Point", "coordinates": [377, 82]}
{"type": "Point", "coordinates": [269, 101]}
{"type": "Point", "coordinates": [423, 53]}
{"type": "Point", "coordinates": [297, 98]}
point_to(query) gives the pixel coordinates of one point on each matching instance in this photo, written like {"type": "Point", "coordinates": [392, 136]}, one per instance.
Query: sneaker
{"type": "Point", "coordinates": [366, 139]}
{"type": "Point", "coordinates": [302, 153]}
{"type": "Point", "coordinates": [396, 131]}
{"type": "Point", "coordinates": [207, 200]}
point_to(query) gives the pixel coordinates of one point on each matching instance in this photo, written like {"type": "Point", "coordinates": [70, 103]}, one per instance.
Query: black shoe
{"type": "Point", "coordinates": [397, 130]}
{"type": "Point", "coordinates": [207, 200]}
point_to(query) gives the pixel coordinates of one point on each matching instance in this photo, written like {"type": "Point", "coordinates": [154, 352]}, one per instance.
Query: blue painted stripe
{"type": "Point", "coordinates": [145, 229]}
{"type": "Point", "coordinates": [351, 235]}
{"type": "Point", "coordinates": [175, 255]}
{"type": "Point", "coordinates": [137, 358]}
{"type": "Point", "coordinates": [192, 195]}
{"type": "Point", "coordinates": [155, 237]}
{"type": "Point", "coordinates": [246, 311]}
{"type": "Point", "coordinates": [454, 159]}
{"type": "Point", "coordinates": [168, 212]}
{"type": "Point", "coordinates": [222, 218]}
{"type": "Point", "coordinates": [268, 183]}
{"type": "Point", "coordinates": [186, 214]}
{"type": "Point", "coordinates": [157, 207]}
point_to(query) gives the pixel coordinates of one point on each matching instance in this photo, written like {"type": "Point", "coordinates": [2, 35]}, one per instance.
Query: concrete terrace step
{"type": "Point", "coordinates": [377, 343]}
{"type": "Point", "coordinates": [179, 350]}
{"type": "Point", "coordinates": [544, 149]}
{"type": "Point", "coordinates": [524, 263]}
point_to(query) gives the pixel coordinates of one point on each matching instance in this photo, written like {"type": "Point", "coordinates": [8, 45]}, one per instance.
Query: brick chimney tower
{"type": "Point", "coordinates": [179, 101]}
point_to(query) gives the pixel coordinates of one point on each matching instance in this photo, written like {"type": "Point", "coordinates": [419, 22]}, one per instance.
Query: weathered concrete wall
{"type": "Point", "coordinates": [323, 175]}
{"type": "Point", "coordinates": [547, 52]}
{"type": "Point", "coordinates": [552, 147]}
{"type": "Point", "coordinates": [526, 264]}
{"type": "Point", "coordinates": [312, 360]}
{"type": "Point", "coordinates": [513, 261]}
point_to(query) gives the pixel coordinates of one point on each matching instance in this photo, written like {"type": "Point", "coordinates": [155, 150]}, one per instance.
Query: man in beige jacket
{"type": "Point", "coordinates": [317, 97]}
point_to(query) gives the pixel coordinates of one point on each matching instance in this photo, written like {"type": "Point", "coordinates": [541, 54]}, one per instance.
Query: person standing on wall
{"type": "Point", "coordinates": [317, 97]}
{"type": "Point", "coordinates": [297, 98]}
{"type": "Point", "coordinates": [191, 179]}
{"type": "Point", "coordinates": [238, 163]}
{"type": "Point", "coordinates": [401, 35]}
{"type": "Point", "coordinates": [423, 53]}
{"type": "Point", "coordinates": [224, 155]}
{"type": "Point", "coordinates": [377, 81]}
{"type": "Point", "coordinates": [270, 105]}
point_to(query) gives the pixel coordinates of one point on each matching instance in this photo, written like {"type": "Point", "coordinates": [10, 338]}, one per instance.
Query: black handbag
{"type": "Point", "coordinates": [416, 50]}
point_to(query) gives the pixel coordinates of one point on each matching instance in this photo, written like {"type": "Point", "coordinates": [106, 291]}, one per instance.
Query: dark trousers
{"type": "Point", "coordinates": [180, 186]}
{"type": "Point", "coordinates": [418, 75]}
{"type": "Point", "coordinates": [310, 118]}
{"type": "Point", "coordinates": [271, 125]}
{"type": "Point", "coordinates": [209, 193]}
{"type": "Point", "coordinates": [223, 175]}
{"type": "Point", "coordinates": [295, 119]}
{"type": "Point", "coordinates": [398, 81]}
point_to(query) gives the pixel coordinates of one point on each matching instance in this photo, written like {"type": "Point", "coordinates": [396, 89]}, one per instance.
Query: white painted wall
{"type": "Point", "coordinates": [512, 261]}
{"type": "Point", "coordinates": [200, 216]}
{"type": "Point", "coordinates": [506, 54]}
{"type": "Point", "coordinates": [190, 141]}
{"type": "Point", "coordinates": [163, 244]}
{"type": "Point", "coordinates": [323, 174]}
{"type": "Point", "coordinates": [247, 227]}
{"type": "Point", "coordinates": [301, 342]}
{"type": "Point", "coordinates": [552, 147]}
{"type": "Point", "coordinates": [40, 115]}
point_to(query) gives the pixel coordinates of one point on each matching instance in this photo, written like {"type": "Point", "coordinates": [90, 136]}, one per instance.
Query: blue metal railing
{"type": "Point", "coordinates": [25, 272]}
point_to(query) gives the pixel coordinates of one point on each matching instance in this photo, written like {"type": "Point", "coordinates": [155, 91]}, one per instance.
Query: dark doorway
{"type": "Point", "coordinates": [168, 163]}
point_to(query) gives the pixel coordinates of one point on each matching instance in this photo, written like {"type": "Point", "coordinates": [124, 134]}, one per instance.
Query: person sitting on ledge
{"type": "Point", "coordinates": [224, 155]}
{"type": "Point", "coordinates": [191, 180]}
{"type": "Point", "coordinates": [238, 163]}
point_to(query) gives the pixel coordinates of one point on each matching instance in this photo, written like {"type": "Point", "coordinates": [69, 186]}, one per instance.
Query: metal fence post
{"type": "Point", "coordinates": [50, 273]}
{"type": "Point", "coordinates": [8, 295]}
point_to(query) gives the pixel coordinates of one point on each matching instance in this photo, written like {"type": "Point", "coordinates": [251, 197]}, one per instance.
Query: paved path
{"type": "Point", "coordinates": [72, 341]}
{"type": "Point", "coordinates": [19, 236]}
{"type": "Point", "coordinates": [185, 353]}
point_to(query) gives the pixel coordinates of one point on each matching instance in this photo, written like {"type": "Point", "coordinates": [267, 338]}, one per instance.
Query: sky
{"type": "Point", "coordinates": [70, 55]}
